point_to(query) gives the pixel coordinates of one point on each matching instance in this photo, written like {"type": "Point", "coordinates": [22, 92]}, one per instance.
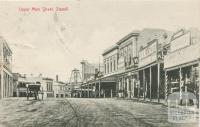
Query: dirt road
{"type": "Point", "coordinates": [17, 112]}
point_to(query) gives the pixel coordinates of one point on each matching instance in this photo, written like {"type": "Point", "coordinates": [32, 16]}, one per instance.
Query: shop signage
{"type": "Point", "coordinates": [181, 56]}
{"type": "Point", "coordinates": [160, 55]}
{"type": "Point", "coordinates": [180, 42]}
{"type": "Point", "coordinates": [148, 54]}
{"type": "Point", "coordinates": [135, 60]}
{"type": "Point", "coordinates": [121, 63]}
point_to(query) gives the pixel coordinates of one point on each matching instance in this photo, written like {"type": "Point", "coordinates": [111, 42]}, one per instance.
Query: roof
{"type": "Point", "coordinates": [108, 50]}
{"type": "Point", "coordinates": [135, 33]}
{"type": "Point", "coordinates": [58, 83]}
{"type": "Point", "coordinates": [47, 79]}
{"type": "Point", "coordinates": [112, 78]}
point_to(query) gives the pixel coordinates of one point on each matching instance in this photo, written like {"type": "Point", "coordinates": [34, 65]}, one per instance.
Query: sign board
{"type": "Point", "coordinates": [180, 42]}
{"type": "Point", "coordinates": [134, 48]}
{"type": "Point", "coordinates": [181, 56]}
{"type": "Point", "coordinates": [148, 54]}
{"type": "Point", "coordinates": [121, 65]}
{"type": "Point", "coordinates": [160, 55]}
{"type": "Point", "coordinates": [135, 60]}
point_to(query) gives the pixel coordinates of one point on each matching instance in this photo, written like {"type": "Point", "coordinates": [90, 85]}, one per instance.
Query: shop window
{"type": "Point", "coordinates": [122, 52]}
{"type": "Point", "coordinates": [111, 66]}
{"type": "Point", "coordinates": [105, 68]}
{"type": "Point", "coordinates": [130, 60]}
{"type": "Point", "coordinates": [173, 81]}
{"type": "Point", "coordinates": [49, 86]}
{"type": "Point", "coordinates": [114, 65]}
{"type": "Point", "coordinates": [125, 61]}
{"type": "Point", "coordinates": [108, 68]}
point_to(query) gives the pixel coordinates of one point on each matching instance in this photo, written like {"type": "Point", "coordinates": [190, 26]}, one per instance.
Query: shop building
{"type": "Point", "coordinates": [182, 64]}
{"type": "Point", "coordinates": [107, 83]}
{"type": "Point", "coordinates": [130, 64]}
{"type": "Point", "coordinates": [100, 86]}
{"type": "Point", "coordinates": [151, 86]}
{"type": "Point", "coordinates": [127, 61]}
{"type": "Point", "coordinates": [47, 87]}
{"type": "Point", "coordinates": [6, 79]}
{"type": "Point", "coordinates": [110, 56]}
{"type": "Point", "coordinates": [151, 71]}
{"type": "Point", "coordinates": [59, 88]}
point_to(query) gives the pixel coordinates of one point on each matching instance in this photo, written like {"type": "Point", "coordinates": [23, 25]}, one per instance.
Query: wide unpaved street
{"type": "Point", "coordinates": [17, 112]}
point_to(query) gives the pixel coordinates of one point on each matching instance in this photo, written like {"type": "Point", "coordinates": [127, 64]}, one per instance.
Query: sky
{"type": "Point", "coordinates": [55, 42]}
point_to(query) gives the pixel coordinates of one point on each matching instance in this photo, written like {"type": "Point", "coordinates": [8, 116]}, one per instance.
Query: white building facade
{"type": "Point", "coordinates": [6, 81]}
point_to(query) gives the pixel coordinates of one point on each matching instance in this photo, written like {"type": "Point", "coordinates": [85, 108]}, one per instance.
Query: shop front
{"type": "Point", "coordinates": [151, 73]}
{"type": "Point", "coordinates": [127, 84]}
{"type": "Point", "coordinates": [102, 87]}
{"type": "Point", "coordinates": [182, 69]}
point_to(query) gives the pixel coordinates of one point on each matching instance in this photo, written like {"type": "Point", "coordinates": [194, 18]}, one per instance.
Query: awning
{"type": "Point", "coordinates": [112, 78]}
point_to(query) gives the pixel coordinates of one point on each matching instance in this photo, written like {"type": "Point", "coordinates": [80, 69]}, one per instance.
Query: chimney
{"type": "Point", "coordinates": [57, 78]}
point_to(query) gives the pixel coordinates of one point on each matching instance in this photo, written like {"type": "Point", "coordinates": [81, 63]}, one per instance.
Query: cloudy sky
{"type": "Point", "coordinates": [55, 42]}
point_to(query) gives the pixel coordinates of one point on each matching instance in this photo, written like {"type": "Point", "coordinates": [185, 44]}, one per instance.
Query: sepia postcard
{"type": "Point", "coordinates": [99, 63]}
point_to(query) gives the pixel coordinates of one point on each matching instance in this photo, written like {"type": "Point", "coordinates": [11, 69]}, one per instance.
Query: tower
{"type": "Point", "coordinates": [75, 81]}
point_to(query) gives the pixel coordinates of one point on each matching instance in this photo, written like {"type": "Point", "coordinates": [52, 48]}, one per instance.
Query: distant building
{"type": "Point", "coordinates": [89, 69]}
{"type": "Point", "coordinates": [60, 89]}
{"type": "Point", "coordinates": [90, 72]}
{"type": "Point", "coordinates": [20, 85]}
{"type": "Point", "coordinates": [48, 87]}
{"type": "Point", "coordinates": [6, 82]}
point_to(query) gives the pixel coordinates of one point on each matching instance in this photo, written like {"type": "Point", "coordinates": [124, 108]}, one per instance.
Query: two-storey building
{"type": "Point", "coordinates": [110, 57]}
{"type": "Point", "coordinates": [136, 52]}
{"type": "Point", "coordinates": [60, 88]}
{"type": "Point", "coordinates": [6, 81]}
{"type": "Point", "coordinates": [127, 60]}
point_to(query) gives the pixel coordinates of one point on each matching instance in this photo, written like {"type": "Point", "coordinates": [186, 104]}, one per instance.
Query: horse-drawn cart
{"type": "Point", "coordinates": [33, 89]}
